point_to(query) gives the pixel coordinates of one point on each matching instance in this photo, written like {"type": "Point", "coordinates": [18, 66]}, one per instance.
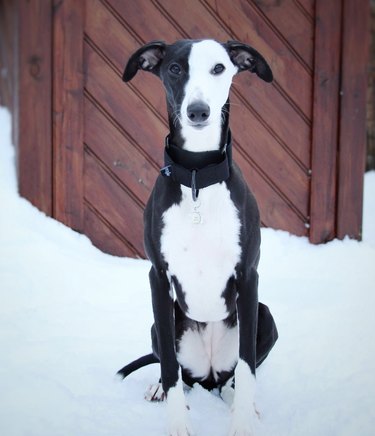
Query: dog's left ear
{"type": "Point", "coordinates": [147, 58]}
{"type": "Point", "coordinates": [247, 58]}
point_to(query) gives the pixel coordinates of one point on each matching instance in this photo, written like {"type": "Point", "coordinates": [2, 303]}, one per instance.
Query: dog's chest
{"type": "Point", "coordinates": [200, 242]}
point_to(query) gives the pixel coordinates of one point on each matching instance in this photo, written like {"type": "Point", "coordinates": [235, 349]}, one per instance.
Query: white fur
{"type": "Point", "coordinates": [243, 415]}
{"type": "Point", "coordinates": [178, 422]}
{"type": "Point", "coordinates": [203, 256]}
{"type": "Point", "coordinates": [227, 393]}
{"type": "Point", "coordinates": [209, 88]}
{"type": "Point", "coordinates": [213, 347]}
{"type": "Point", "coordinates": [203, 253]}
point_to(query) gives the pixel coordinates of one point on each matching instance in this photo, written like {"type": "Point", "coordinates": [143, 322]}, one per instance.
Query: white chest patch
{"type": "Point", "coordinates": [202, 251]}
{"type": "Point", "coordinates": [211, 348]}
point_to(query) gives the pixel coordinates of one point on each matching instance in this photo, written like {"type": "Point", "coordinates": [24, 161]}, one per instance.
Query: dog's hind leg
{"type": "Point", "coordinates": [227, 392]}
{"type": "Point", "coordinates": [155, 393]}
{"type": "Point", "coordinates": [267, 333]}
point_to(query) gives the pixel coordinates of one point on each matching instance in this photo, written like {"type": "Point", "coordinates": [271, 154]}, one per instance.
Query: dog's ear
{"type": "Point", "coordinates": [147, 58]}
{"type": "Point", "coordinates": [247, 58]}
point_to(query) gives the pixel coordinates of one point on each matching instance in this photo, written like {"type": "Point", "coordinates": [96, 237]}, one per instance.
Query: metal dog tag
{"type": "Point", "coordinates": [196, 218]}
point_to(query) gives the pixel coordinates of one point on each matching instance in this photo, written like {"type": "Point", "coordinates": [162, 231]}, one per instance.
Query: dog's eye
{"type": "Point", "coordinates": [175, 69]}
{"type": "Point", "coordinates": [218, 69]}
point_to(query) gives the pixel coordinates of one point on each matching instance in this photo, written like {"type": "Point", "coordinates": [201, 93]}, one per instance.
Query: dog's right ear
{"type": "Point", "coordinates": [147, 58]}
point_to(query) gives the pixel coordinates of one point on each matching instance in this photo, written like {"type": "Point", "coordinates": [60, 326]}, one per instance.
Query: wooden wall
{"type": "Point", "coordinates": [300, 141]}
{"type": "Point", "coordinates": [8, 56]}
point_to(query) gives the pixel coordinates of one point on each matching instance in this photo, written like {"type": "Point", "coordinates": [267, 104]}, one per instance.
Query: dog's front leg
{"type": "Point", "coordinates": [163, 307]}
{"type": "Point", "coordinates": [247, 311]}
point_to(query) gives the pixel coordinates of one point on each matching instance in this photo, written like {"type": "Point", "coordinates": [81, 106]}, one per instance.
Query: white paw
{"type": "Point", "coordinates": [155, 393]}
{"type": "Point", "coordinates": [227, 394]}
{"type": "Point", "coordinates": [242, 424]}
{"type": "Point", "coordinates": [177, 412]}
{"type": "Point", "coordinates": [243, 430]}
{"type": "Point", "coordinates": [180, 429]}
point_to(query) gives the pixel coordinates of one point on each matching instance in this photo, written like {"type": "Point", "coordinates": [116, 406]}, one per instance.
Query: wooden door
{"type": "Point", "coordinates": [289, 137]}
{"type": "Point", "coordinates": [125, 125]}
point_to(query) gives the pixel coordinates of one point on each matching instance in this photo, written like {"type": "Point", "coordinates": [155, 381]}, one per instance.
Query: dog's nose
{"type": "Point", "coordinates": [198, 112]}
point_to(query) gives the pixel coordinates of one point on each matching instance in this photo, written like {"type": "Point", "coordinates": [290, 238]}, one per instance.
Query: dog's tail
{"type": "Point", "coordinates": [137, 364]}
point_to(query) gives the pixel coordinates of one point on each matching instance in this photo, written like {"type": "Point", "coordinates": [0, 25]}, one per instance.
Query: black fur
{"type": "Point", "coordinates": [257, 330]}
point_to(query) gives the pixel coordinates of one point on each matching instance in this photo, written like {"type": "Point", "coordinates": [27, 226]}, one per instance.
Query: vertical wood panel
{"type": "Point", "coordinates": [68, 112]}
{"type": "Point", "coordinates": [352, 150]}
{"type": "Point", "coordinates": [34, 103]}
{"type": "Point", "coordinates": [8, 29]}
{"type": "Point", "coordinates": [8, 60]}
{"type": "Point", "coordinates": [325, 120]}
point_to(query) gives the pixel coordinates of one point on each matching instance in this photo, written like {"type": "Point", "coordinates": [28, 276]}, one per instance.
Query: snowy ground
{"type": "Point", "coordinates": [71, 316]}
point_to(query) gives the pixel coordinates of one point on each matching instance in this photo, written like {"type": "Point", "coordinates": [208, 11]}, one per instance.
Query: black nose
{"type": "Point", "coordinates": [198, 112]}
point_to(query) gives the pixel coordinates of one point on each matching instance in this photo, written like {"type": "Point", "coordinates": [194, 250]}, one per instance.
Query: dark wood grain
{"type": "Point", "coordinates": [125, 159]}
{"type": "Point", "coordinates": [294, 26]}
{"type": "Point", "coordinates": [68, 112]}
{"type": "Point", "coordinates": [352, 151]}
{"type": "Point", "coordinates": [325, 122]}
{"type": "Point", "coordinates": [114, 202]}
{"type": "Point", "coordinates": [34, 103]}
{"type": "Point", "coordinates": [102, 234]}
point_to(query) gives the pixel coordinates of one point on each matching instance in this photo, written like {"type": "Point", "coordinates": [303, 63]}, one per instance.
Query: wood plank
{"type": "Point", "coordinates": [289, 22]}
{"type": "Point", "coordinates": [138, 20]}
{"type": "Point", "coordinates": [8, 52]}
{"type": "Point", "coordinates": [278, 116]}
{"type": "Point", "coordinates": [325, 121]}
{"type": "Point", "coordinates": [117, 44]}
{"type": "Point", "coordinates": [9, 56]}
{"type": "Point", "coordinates": [68, 112]}
{"type": "Point", "coordinates": [34, 104]}
{"type": "Point", "coordinates": [352, 149]}
{"type": "Point", "coordinates": [103, 236]}
{"type": "Point", "coordinates": [282, 171]}
{"type": "Point", "coordinates": [124, 105]}
{"type": "Point", "coordinates": [308, 6]}
{"type": "Point", "coordinates": [275, 212]}
{"type": "Point", "coordinates": [119, 154]}
{"type": "Point", "coordinates": [113, 203]}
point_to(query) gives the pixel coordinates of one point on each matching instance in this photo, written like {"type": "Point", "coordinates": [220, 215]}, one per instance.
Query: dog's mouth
{"type": "Point", "coordinates": [198, 126]}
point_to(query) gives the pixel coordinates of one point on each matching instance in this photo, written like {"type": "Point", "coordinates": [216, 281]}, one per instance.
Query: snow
{"type": "Point", "coordinates": [71, 316]}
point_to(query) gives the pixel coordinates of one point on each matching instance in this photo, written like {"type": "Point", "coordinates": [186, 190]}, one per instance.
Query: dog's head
{"type": "Point", "coordinates": [197, 75]}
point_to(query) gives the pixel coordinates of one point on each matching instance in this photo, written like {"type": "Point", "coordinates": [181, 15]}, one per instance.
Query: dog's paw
{"type": "Point", "coordinates": [242, 424]}
{"type": "Point", "coordinates": [241, 430]}
{"type": "Point", "coordinates": [227, 395]}
{"type": "Point", "coordinates": [155, 393]}
{"type": "Point", "coordinates": [180, 429]}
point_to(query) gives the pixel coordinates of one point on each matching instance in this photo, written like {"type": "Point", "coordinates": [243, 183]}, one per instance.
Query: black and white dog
{"type": "Point", "coordinates": [202, 235]}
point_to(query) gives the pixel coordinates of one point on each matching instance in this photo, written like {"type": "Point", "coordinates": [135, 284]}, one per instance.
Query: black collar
{"type": "Point", "coordinates": [197, 170]}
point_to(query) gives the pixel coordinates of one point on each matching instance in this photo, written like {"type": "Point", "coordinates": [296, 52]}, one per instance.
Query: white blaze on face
{"type": "Point", "coordinates": [206, 87]}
